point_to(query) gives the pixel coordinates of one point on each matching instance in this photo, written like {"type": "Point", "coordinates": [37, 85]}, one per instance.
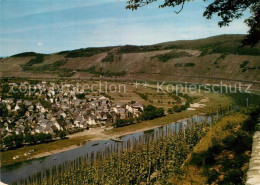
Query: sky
{"type": "Point", "coordinates": [48, 26]}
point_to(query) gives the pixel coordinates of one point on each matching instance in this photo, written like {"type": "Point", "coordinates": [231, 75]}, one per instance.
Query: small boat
{"type": "Point", "coordinates": [106, 143]}
{"type": "Point", "coordinates": [116, 139]}
{"type": "Point", "coordinates": [95, 144]}
{"type": "Point", "coordinates": [54, 158]}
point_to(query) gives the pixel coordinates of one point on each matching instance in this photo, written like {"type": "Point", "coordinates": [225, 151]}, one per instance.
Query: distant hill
{"type": "Point", "coordinates": [201, 60]}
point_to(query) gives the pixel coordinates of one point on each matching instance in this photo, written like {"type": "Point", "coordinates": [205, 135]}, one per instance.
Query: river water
{"type": "Point", "coordinates": [23, 170]}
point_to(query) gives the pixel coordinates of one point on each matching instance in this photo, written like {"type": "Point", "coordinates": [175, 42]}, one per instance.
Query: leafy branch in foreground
{"type": "Point", "coordinates": [227, 10]}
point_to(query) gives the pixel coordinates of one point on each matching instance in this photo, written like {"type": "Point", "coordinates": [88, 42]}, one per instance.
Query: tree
{"type": "Point", "coordinates": [29, 139]}
{"type": "Point", "coordinates": [62, 134]}
{"type": "Point", "coordinates": [176, 108]}
{"type": "Point", "coordinates": [227, 10]}
{"type": "Point", "coordinates": [22, 110]}
{"type": "Point", "coordinates": [170, 111]}
{"type": "Point", "coordinates": [5, 88]}
{"type": "Point", "coordinates": [42, 137]}
{"type": "Point", "coordinates": [159, 112]}
{"type": "Point", "coordinates": [8, 141]}
{"type": "Point", "coordinates": [151, 112]}
{"type": "Point", "coordinates": [3, 110]}
{"type": "Point", "coordinates": [18, 139]}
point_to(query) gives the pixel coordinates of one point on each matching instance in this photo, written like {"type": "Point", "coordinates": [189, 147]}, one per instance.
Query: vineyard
{"type": "Point", "coordinates": [144, 161]}
{"type": "Point", "coordinates": [156, 158]}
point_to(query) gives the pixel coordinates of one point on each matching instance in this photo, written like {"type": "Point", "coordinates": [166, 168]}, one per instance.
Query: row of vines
{"type": "Point", "coordinates": [145, 160]}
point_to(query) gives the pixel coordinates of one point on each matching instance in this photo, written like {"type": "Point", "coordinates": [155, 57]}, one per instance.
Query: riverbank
{"type": "Point", "coordinates": [78, 139]}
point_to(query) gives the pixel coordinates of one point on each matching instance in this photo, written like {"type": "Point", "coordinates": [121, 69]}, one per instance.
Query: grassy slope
{"type": "Point", "coordinates": [221, 58]}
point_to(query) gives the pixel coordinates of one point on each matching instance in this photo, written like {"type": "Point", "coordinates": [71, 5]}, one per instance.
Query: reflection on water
{"type": "Point", "coordinates": [23, 170]}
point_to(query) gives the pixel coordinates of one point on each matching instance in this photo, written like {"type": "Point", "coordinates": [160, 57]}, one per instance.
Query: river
{"type": "Point", "coordinates": [24, 169]}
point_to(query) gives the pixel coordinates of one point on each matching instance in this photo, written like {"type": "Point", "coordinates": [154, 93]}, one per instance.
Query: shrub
{"type": "Point", "coordinates": [244, 64]}
{"type": "Point", "coordinates": [62, 134]}
{"type": "Point", "coordinates": [109, 57]}
{"type": "Point", "coordinates": [123, 122]}
{"type": "Point", "coordinates": [37, 60]}
{"type": "Point", "coordinates": [234, 176]}
{"type": "Point", "coordinates": [212, 175]}
{"type": "Point", "coordinates": [25, 54]}
{"type": "Point", "coordinates": [189, 64]}
{"type": "Point", "coordinates": [170, 111]}
{"type": "Point", "coordinates": [87, 52]}
{"type": "Point", "coordinates": [151, 112]}
{"type": "Point", "coordinates": [166, 57]}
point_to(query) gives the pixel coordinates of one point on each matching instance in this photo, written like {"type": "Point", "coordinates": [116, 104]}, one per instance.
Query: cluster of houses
{"type": "Point", "coordinates": [65, 111]}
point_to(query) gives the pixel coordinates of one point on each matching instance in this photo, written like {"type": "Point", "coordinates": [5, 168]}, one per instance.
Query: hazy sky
{"type": "Point", "coordinates": [48, 26]}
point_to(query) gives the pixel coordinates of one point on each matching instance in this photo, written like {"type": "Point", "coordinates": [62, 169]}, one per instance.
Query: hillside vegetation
{"type": "Point", "coordinates": [191, 60]}
{"type": "Point", "coordinates": [222, 156]}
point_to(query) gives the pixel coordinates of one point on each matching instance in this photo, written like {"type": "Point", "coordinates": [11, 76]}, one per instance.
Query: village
{"type": "Point", "coordinates": [49, 113]}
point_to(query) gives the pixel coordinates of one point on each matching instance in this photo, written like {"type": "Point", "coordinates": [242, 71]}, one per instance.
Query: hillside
{"type": "Point", "coordinates": [202, 60]}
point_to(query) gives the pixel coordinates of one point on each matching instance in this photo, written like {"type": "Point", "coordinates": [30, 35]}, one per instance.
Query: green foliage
{"type": "Point", "coordinates": [222, 56]}
{"type": "Point", "coordinates": [62, 134]}
{"type": "Point", "coordinates": [3, 110]}
{"type": "Point", "coordinates": [219, 47]}
{"type": "Point", "coordinates": [87, 52]}
{"type": "Point", "coordinates": [109, 57]}
{"type": "Point", "coordinates": [144, 96]}
{"type": "Point", "coordinates": [189, 64]}
{"type": "Point", "coordinates": [179, 108]}
{"type": "Point", "coordinates": [21, 112]}
{"type": "Point", "coordinates": [170, 111]}
{"type": "Point", "coordinates": [244, 64]}
{"type": "Point", "coordinates": [93, 70]}
{"type": "Point", "coordinates": [50, 68]}
{"type": "Point", "coordinates": [37, 60]}
{"type": "Point", "coordinates": [41, 137]}
{"type": "Point", "coordinates": [168, 56]}
{"type": "Point", "coordinates": [29, 139]}
{"type": "Point", "coordinates": [204, 52]}
{"type": "Point", "coordinates": [8, 141]}
{"type": "Point", "coordinates": [80, 96]}
{"type": "Point", "coordinates": [151, 112]}
{"type": "Point", "coordinates": [26, 54]}
{"type": "Point", "coordinates": [123, 122]}
{"type": "Point", "coordinates": [212, 175]}
{"type": "Point", "coordinates": [45, 103]}
{"type": "Point", "coordinates": [241, 98]}
{"type": "Point", "coordinates": [65, 72]}
{"type": "Point", "coordinates": [5, 88]}
{"type": "Point", "coordinates": [137, 49]}
{"type": "Point", "coordinates": [18, 140]}
{"type": "Point", "coordinates": [233, 176]}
